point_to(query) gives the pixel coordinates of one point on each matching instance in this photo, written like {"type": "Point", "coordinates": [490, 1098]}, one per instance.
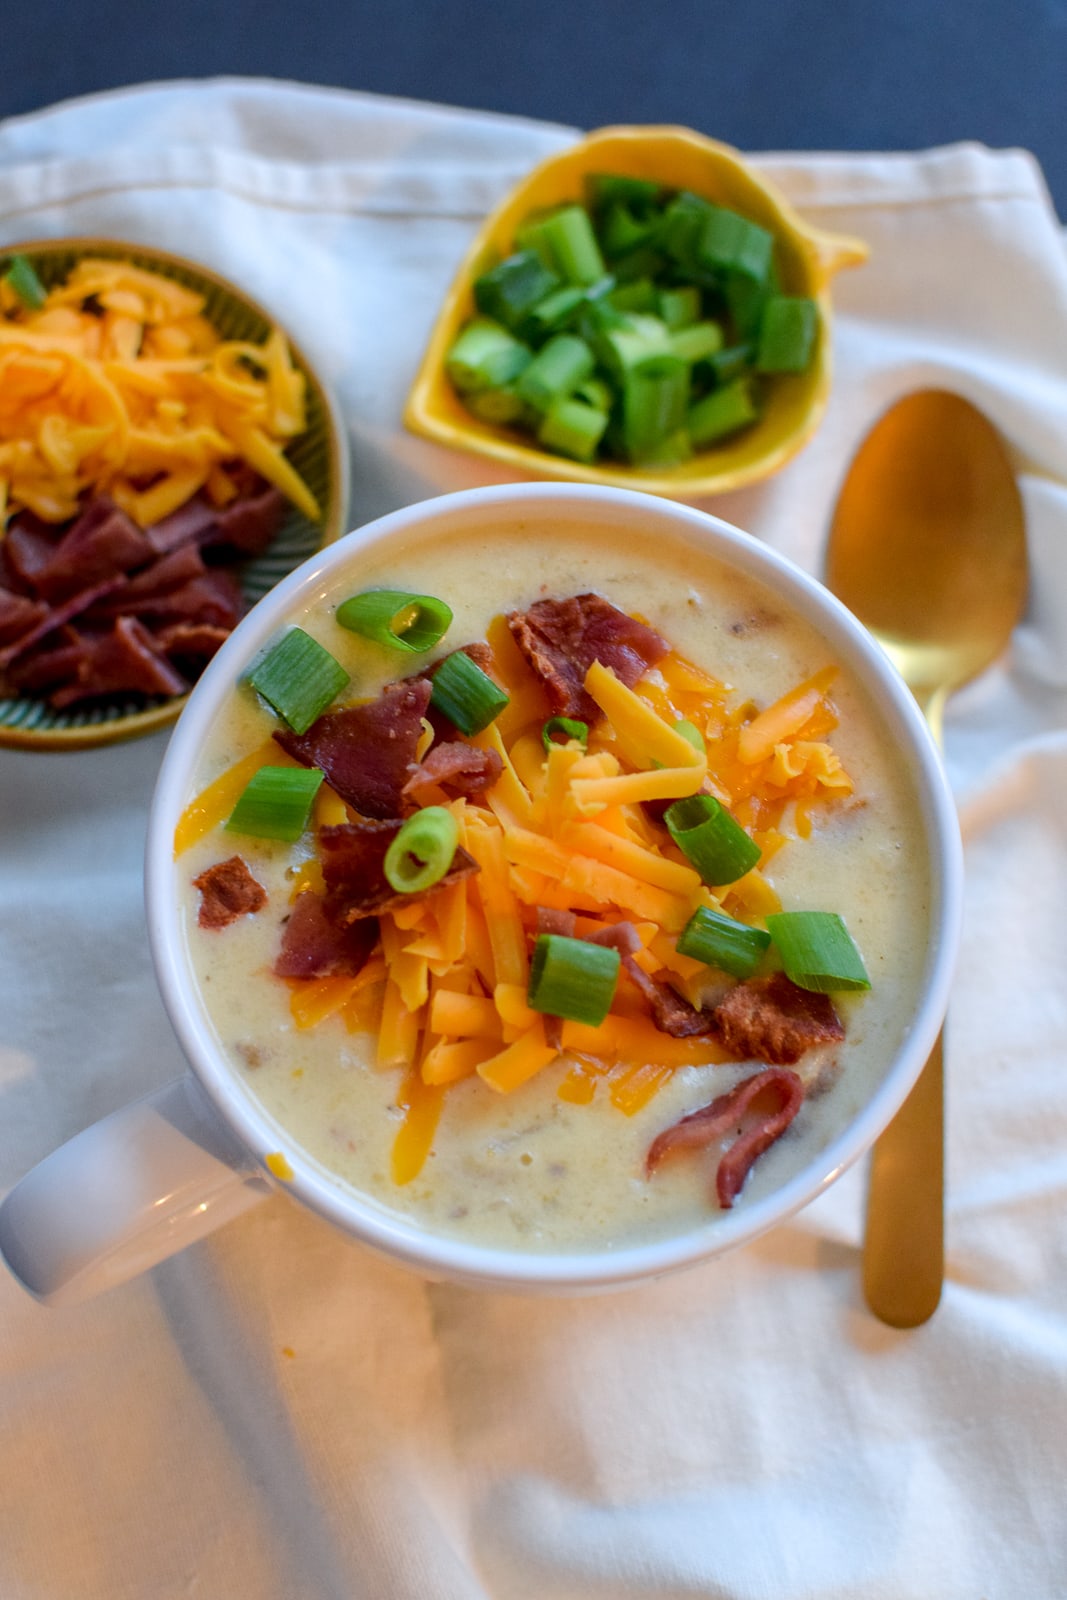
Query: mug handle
{"type": "Point", "coordinates": [127, 1193]}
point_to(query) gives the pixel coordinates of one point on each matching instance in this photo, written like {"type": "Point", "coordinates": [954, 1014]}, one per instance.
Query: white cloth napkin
{"type": "Point", "coordinates": [277, 1416]}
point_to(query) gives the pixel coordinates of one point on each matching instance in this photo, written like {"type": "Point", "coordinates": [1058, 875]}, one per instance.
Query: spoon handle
{"type": "Point", "coordinates": [903, 1249]}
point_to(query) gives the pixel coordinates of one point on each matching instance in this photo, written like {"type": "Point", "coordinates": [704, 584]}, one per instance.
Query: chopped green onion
{"type": "Point", "coordinates": [731, 243]}
{"type": "Point", "coordinates": [698, 341]}
{"type": "Point", "coordinates": [573, 428]}
{"type": "Point", "coordinates": [395, 618]}
{"type": "Point", "coordinates": [485, 356]}
{"type": "Point", "coordinates": [745, 300]}
{"type": "Point", "coordinates": [569, 727]}
{"type": "Point", "coordinates": [597, 318]}
{"type": "Point", "coordinates": [530, 235]}
{"type": "Point", "coordinates": [509, 291]}
{"type": "Point", "coordinates": [817, 951]}
{"type": "Point", "coordinates": [594, 292]}
{"type": "Point", "coordinates": [721, 412]}
{"type": "Point", "coordinates": [721, 941]}
{"type": "Point", "coordinates": [596, 393]}
{"type": "Point", "coordinates": [299, 678]}
{"type": "Point", "coordinates": [608, 188]}
{"type": "Point", "coordinates": [731, 362]}
{"type": "Point", "coordinates": [502, 406]}
{"type": "Point", "coordinates": [601, 289]}
{"type": "Point", "coordinates": [644, 262]}
{"type": "Point", "coordinates": [671, 449]}
{"type": "Point", "coordinates": [683, 222]}
{"type": "Point", "coordinates": [680, 307]}
{"type": "Point", "coordinates": [655, 397]}
{"type": "Point", "coordinates": [572, 978]}
{"type": "Point", "coordinates": [637, 295]}
{"type": "Point", "coordinates": [553, 313]}
{"type": "Point", "coordinates": [24, 281]}
{"type": "Point", "coordinates": [276, 803]}
{"type": "Point", "coordinates": [422, 851]}
{"type": "Point", "coordinates": [787, 333]}
{"type": "Point", "coordinates": [628, 338]}
{"type": "Point", "coordinates": [709, 837]}
{"type": "Point", "coordinates": [569, 234]}
{"type": "Point", "coordinates": [557, 368]}
{"type": "Point", "coordinates": [465, 694]}
{"type": "Point", "coordinates": [622, 231]}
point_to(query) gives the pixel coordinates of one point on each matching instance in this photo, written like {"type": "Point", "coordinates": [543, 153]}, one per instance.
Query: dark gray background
{"type": "Point", "coordinates": [762, 74]}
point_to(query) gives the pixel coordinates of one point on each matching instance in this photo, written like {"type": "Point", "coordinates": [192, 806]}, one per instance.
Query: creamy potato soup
{"type": "Point", "coordinates": [559, 1162]}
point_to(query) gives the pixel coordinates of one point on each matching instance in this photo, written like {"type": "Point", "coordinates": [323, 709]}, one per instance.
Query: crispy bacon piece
{"type": "Point", "coordinates": [56, 616]}
{"type": "Point", "coordinates": [228, 891]}
{"type": "Point", "coordinates": [247, 526]}
{"type": "Point", "coordinates": [162, 576]}
{"type": "Point", "coordinates": [315, 945]}
{"type": "Point", "coordinates": [53, 661]}
{"type": "Point", "coordinates": [620, 936]}
{"type": "Point", "coordinates": [561, 639]}
{"type": "Point", "coordinates": [772, 1019]}
{"type": "Point", "coordinates": [100, 544]}
{"type": "Point", "coordinates": [671, 1012]}
{"type": "Point", "coordinates": [100, 568]}
{"type": "Point", "coordinates": [214, 597]}
{"type": "Point", "coordinates": [455, 767]}
{"type": "Point", "coordinates": [551, 919]}
{"type": "Point", "coordinates": [191, 642]}
{"type": "Point", "coordinates": [726, 1113]}
{"type": "Point", "coordinates": [25, 550]}
{"type": "Point", "coordinates": [18, 614]}
{"type": "Point", "coordinates": [367, 751]}
{"type": "Point", "coordinates": [126, 660]}
{"type": "Point", "coordinates": [353, 854]}
{"type": "Point", "coordinates": [766, 1019]}
{"type": "Point", "coordinates": [191, 524]}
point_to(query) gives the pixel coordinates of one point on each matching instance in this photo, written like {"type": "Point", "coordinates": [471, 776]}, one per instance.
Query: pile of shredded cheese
{"type": "Point", "coordinates": [565, 828]}
{"type": "Point", "coordinates": [118, 384]}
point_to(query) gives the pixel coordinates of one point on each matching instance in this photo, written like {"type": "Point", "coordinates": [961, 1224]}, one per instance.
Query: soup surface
{"type": "Point", "coordinates": [559, 1163]}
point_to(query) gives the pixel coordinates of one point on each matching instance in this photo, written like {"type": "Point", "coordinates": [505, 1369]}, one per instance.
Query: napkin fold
{"type": "Point", "coordinates": [275, 1414]}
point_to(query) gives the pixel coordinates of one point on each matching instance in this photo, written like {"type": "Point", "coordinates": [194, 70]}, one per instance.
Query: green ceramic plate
{"type": "Point", "coordinates": [320, 455]}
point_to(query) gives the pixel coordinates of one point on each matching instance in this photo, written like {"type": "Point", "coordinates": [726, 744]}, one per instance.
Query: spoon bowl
{"type": "Point", "coordinates": [927, 549]}
{"type": "Point", "coordinates": [928, 545]}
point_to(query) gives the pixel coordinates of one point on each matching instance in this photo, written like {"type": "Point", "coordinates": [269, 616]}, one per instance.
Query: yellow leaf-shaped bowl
{"type": "Point", "coordinates": [679, 159]}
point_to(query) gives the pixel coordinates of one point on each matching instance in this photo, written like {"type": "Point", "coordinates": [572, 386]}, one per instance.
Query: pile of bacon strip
{"type": "Point", "coordinates": [99, 606]}
{"type": "Point", "coordinates": [368, 755]}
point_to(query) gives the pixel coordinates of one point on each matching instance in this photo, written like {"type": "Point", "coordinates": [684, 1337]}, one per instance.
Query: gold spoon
{"type": "Point", "coordinates": [928, 549]}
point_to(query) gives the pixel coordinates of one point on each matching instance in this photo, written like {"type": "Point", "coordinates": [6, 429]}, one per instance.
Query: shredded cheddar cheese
{"type": "Point", "coordinates": [119, 384]}
{"type": "Point", "coordinates": [421, 1103]}
{"type": "Point", "coordinates": [565, 828]}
